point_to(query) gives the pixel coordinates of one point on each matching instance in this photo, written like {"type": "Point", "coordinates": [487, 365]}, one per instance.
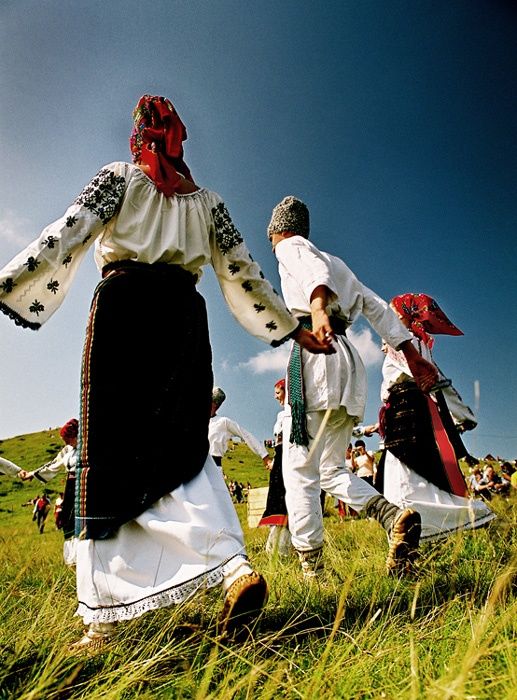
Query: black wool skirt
{"type": "Point", "coordinates": [146, 388]}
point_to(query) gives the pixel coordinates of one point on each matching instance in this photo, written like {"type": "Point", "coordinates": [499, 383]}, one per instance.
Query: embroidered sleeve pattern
{"type": "Point", "coordinates": [34, 284]}
{"type": "Point", "coordinates": [103, 194]}
{"type": "Point", "coordinates": [250, 297]}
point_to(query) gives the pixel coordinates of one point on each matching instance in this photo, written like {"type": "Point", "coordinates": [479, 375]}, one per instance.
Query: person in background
{"type": "Point", "coordinates": [64, 461]}
{"type": "Point", "coordinates": [363, 462]}
{"type": "Point", "coordinates": [275, 513]}
{"type": "Point", "coordinates": [221, 429]}
{"type": "Point", "coordinates": [156, 524]}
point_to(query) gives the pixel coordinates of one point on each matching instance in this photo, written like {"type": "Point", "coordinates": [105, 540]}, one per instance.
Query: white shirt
{"type": "Point", "coordinates": [335, 380]}
{"type": "Point", "coordinates": [278, 427]}
{"type": "Point", "coordinates": [123, 212]}
{"type": "Point", "coordinates": [222, 429]}
{"type": "Point", "coordinates": [364, 464]}
{"type": "Point", "coordinates": [9, 468]}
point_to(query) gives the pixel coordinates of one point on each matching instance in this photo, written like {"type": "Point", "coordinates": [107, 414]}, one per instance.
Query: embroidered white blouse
{"type": "Point", "coordinates": [65, 460]}
{"type": "Point", "coordinates": [331, 381]}
{"type": "Point", "coordinates": [128, 219]}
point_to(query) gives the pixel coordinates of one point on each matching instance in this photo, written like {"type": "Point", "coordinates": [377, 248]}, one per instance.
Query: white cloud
{"type": "Point", "coordinates": [368, 348]}
{"type": "Point", "coordinates": [276, 360]}
{"type": "Point", "coordinates": [13, 230]}
{"type": "Point", "coordinates": [268, 361]}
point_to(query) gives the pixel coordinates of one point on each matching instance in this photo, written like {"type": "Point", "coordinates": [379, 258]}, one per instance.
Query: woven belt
{"type": "Point", "coordinates": [299, 434]}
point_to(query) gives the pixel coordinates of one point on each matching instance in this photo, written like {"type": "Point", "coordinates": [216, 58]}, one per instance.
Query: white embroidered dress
{"type": "Point", "coordinates": [191, 538]}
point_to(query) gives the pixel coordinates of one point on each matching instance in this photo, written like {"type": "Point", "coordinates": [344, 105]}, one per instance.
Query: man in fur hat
{"type": "Point", "coordinates": [327, 393]}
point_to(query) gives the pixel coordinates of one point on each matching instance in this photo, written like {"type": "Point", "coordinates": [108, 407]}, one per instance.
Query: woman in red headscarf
{"type": "Point", "coordinates": [153, 513]}
{"type": "Point", "coordinates": [419, 466]}
{"type": "Point", "coordinates": [65, 460]}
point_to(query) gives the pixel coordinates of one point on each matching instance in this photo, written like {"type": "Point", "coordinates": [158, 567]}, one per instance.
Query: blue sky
{"type": "Point", "coordinates": [393, 120]}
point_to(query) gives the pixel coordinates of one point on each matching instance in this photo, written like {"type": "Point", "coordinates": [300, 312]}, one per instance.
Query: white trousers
{"type": "Point", "coordinates": [306, 471]}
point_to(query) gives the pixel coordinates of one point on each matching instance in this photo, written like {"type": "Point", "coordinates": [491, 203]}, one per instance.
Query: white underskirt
{"type": "Point", "coordinates": [442, 513]}
{"type": "Point", "coordinates": [188, 540]}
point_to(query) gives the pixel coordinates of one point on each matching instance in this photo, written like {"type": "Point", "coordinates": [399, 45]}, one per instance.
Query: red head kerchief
{"type": "Point", "coordinates": [70, 429]}
{"type": "Point", "coordinates": [280, 383]}
{"type": "Point", "coordinates": [156, 141]}
{"type": "Point", "coordinates": [424, 316]}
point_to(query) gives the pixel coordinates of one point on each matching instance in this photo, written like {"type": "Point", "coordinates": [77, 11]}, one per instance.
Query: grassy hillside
{"type": "Point", "coordinates": [451, 632]}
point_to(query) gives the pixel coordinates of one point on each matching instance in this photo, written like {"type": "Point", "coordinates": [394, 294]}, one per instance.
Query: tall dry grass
{"type": "Point", "coordinates": [448, 633]}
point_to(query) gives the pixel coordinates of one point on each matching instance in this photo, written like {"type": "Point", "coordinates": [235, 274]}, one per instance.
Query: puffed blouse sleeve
{"type": "Point", "coordinates": [250, 297]}
{"type": "Point", "coordinates": [34, 284]}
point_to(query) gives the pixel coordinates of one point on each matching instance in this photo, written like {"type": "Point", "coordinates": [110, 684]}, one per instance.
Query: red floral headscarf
{"type": "Point", "coordinates": [424, 316]}
{"type": "Point", "coordinates": [156, 142]}
{"type": "Point", "coordinates": [70, 429]}
{"type": "Point", "coordinates": [280, 383]}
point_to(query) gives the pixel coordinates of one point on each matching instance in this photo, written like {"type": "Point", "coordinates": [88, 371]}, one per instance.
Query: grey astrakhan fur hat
{"type": "Point", "coordinates": [291, 214]}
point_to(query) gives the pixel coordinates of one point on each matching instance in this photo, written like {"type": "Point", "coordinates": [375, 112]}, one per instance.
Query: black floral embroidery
{"type": "Point", "coordinates": [247, 286]}
{"type": "Point", "coordinates": [66, 261]}
{"type": "Point", "coordinates": [50, 242]}
{"type": "Point", "coordinates": [275, 292]}
{"type": "Point", "coordinates": [249, 256]}
{"type": "Point", "coordinates": [226, 234]}
{"type": "Point", "coordinates": [233, 268]}
{"type": "Point", "coordinates": [85, 240]}
{"type": "Point", "coordinates": [53, 286]}
{"type": "Point", "coordinates": [70, 221]}
{"type": "Point", "coordinates": [8, 285]}
{"type": "Point", "coordinates": [102, 195]}
{"type": "Point", "coordinates": [271, 326]}
{"type": "Point", "coordinates": [31, 264]}
{"type": "Point", "coordinates": [261, 275]}
{"type": "Point", "coordinates": [259, 307]}
{"type": "Point", "coordinates": [36, 307]}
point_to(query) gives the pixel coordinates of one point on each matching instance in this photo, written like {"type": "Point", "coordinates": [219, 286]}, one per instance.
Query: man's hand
{"type": "Point", "coordinates": [424, 373]}
{"type": "Point", "coordinates": [25, 476]}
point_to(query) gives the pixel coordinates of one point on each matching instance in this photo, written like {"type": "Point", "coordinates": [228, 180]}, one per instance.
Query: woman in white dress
{"type": "Point", "coordinates": [153, 514]}
{"type": "Point", "coordinates": [419, 467]}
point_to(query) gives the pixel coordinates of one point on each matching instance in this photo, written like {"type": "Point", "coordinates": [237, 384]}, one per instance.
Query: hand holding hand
{"type": "Point", "coordinates": [312, 343]}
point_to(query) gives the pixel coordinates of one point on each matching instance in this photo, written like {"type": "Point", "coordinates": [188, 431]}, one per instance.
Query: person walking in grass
{"type": "Point", "coordinates": [155, 524]}
{"type": "Point", "coordinates": [326, 396]}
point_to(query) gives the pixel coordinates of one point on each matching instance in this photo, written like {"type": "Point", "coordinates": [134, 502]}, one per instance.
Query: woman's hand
{"type": "Point", "coordinates": [310, 342]}
{"type": "Point", "coordinates": [424, 373]}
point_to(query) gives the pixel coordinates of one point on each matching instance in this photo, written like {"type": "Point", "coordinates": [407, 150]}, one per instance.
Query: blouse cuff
{"type": "Point", "coordinates": [289, 336]}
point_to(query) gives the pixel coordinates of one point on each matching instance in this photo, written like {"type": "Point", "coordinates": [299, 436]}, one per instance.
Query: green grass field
{"type": "Point", "coordinates": [448, 633]}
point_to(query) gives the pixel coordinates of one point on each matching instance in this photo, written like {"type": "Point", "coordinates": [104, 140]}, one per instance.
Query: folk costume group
{"type": "Point", "coordinates": [154, 528]}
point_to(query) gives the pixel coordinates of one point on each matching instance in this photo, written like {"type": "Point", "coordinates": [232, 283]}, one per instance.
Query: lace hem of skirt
{"type": "Point", "coordinates": [470, 525]}
{"type": "Point", "coordinates": [163, 599]}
